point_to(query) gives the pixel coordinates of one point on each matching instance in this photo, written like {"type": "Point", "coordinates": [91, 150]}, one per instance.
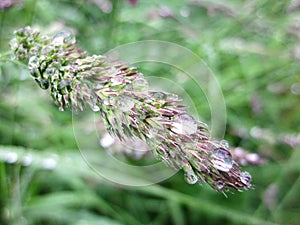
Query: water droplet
{"type": "Point", "coordinates": [49, 163]}
{"type": "Point", "coordinates": [125, 103]}
{"type": "Point", "coordinates": [106, 102]}
{"type": "Point", "coordinates": [245, 178]}
{"type": "Point", "coordinates": [95, 108]}
{"type": "Point", "coordinates": [152, 132]}
{"type": "Point", "coordinates": [159, 95]}
{"type": "Point", "coordinates": [11, 157]}
{"type": "Point", "coordinates": [70, 39]}
{"type": "Point", "coordinates": [172, 154]}
{"type": "Point", "coordinates": [27, 160]}
{"type": "Point", "coordinates": [50, 71]}
{"type": "Point", "coordinates": [252, 157]}
{"type": "Point", "coordinates": [222, 159]}
{"type": "Point", "coordinates": [113, 71]}
{"type": "Point", "coordinates": [14, 44]}
{"type": "Point", "coordinates": [173, 97]}
{"type": "Point", "coordinates": [62, 84]}
{"type": "Point", "coordinates": [185, 12]}
{"type": "Point", "coordinates": [33, 62]}
{"type": "Point", "coordinates": [106, 140]}
{"type": "Point", "coordinates": [63, 37]}
{"type": "Point", "coordinates": [140, 85]}
{"type": "Point", "coordinates": [295, 88]}
{"type": "Point", "coordinates": [43, 83]}
{"type": "Point", "coordinates": [61, 108]}
{"type": "Point", "coordinates": [224, 143]}
{"type": "Point", "coordinates": [190, 177]}
{"type": "Point", "coordinates": [116, 81]}
{"type": "Point", "coordinates": [220, 185]}
{"type": "Point", "coordinates": [98, 86]}
{"type": "Point", "coordinates": [184, 124]}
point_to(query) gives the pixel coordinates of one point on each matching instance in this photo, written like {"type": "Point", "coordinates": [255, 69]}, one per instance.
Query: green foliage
{"type": "Point", "coordinates": [251, 47]}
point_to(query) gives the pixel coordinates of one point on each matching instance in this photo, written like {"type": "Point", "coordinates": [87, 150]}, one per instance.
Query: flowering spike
{"type": "Point", "coordinates": [128, 107]}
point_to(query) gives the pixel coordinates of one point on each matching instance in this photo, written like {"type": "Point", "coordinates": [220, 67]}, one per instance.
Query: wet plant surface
{"type": "Point", "coordinates": [252, 48]}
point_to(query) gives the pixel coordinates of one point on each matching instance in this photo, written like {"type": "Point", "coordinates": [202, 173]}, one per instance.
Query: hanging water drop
{"type": "Point", "coordinates": [245, 178]}
{"type": "Point", "coordinates": [125, 103]}
{"type": "Point", "coordinates": [64, 37]}
{"type": "Point", "coordinates": [61, 108]}
{"type": "Point", "coordinates": [43, 83]}
{"type": "Point", "coordinates": [184, 124]}
{"type": "Point", "coordinates": [190, 177]}
{"type": "Point", "coordinates": [222, 159]}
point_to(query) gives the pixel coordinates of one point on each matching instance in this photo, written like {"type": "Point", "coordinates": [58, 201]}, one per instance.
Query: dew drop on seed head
{"type": "Point", "coordinates": [159, 95]}
{"type": "Point", "coordinates": [116, 81]}
{"type": "Point", "coordinates": [172, 154]}
{"type": "Point", "coordinates": [113, 71]}
{"type": "Point", "coordinates": [224, 143]}
{"type": "Point", "coordinates": [222, 159]}
{"type": "Point", "coordinates": [125, 103]}
{"type": "Point", "coordinates": [220, 185]}
{"type": "Point", "coordinates": [190, 177]}
{"type": "Point", "coordinates": [152, 132]}
{"type": "Point", "coordinates": [173, 97]}
{"type": "Point", "coordinates": [140, 85]}
{"type": "Point", "coordinates": [98, 86]}
{"type": "Point", "coordinates": [14, 44]}
{"type": "Point", "coordinates": [95, 108]}
{"type": "Point", "coordinates": [43, 83]}
{"type": "Point", "coordinates": [185, 124]}
{"type": "Point", "coordinates": [63, 83]}
{"type": "Point", "coordinates": [63, 37]}
{"type": "Point", "coordinates": [33, 62]}
{"type": "Point", "coordinates": [50, 71]}
{"type": "Point", "coordinates": [245, 178]}
{"type": "Point", "coordinates": [106, 102]}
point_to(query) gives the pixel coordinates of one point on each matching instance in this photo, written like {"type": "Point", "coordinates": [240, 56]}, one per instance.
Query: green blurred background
{"type": "Point", "coordinates": [252, 47]}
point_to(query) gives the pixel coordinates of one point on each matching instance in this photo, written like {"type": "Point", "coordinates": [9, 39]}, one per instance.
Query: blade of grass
{"type": "Point", "coordinates": [176, 212]}
{"type": "Point", "coordinates": [209, 208]}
